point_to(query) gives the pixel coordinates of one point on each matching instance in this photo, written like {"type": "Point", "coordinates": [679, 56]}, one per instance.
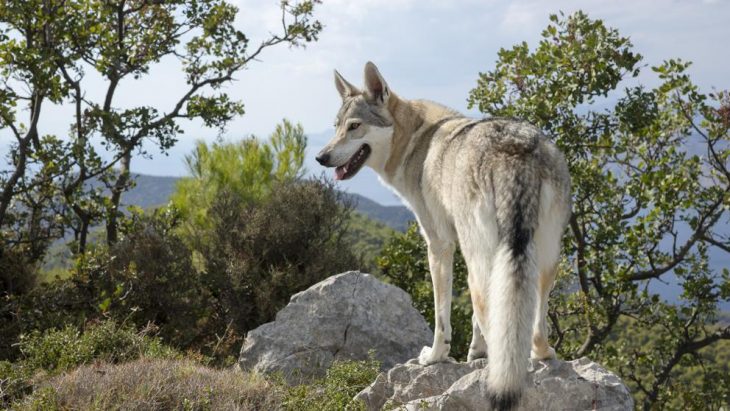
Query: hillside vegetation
{"type": "Point", "coordinates": [105, 303]}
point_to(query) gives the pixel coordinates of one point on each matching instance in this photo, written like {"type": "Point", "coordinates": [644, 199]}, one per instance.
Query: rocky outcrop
{"type": "Point", "coordinates": [553, 385]}
{"type": "Point", "coordinates": [342, 317]}
{"type": "Point", "coordinates": [349, 315]}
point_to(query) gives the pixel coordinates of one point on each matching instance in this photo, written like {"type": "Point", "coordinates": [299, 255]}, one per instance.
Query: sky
{"type": "Point", "coordinates": [424, 49]}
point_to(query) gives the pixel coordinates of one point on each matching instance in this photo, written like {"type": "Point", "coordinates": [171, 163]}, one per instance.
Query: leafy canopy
{"type": "Point", "coordinates": [651, 194]}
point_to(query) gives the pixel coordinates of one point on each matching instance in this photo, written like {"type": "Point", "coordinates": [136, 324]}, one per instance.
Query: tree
{"type": "Point", "coordinates": [47, 50]}
{"type": "Point", "coordinates": [247, 169]}
{"type": "Point", "coordinates": [651, 190]}
{"type": "Point", "coordinates": [259, 231]}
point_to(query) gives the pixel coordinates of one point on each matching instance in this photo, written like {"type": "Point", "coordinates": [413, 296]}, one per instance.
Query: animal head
{"type": "Point", "coordinates": [363, 126]}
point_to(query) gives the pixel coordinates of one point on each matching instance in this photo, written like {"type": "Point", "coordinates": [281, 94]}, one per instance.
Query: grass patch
{"type": "Point", "coordinates": [185, 384]}
{"type": "Point", "coordinates": [154, 384]}
{"type": "Point", "coordinates": [55, 351]}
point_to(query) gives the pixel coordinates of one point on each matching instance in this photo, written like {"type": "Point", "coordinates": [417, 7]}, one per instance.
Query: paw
{"type": "Point", "coordinates": [430, 356]}
{"type": "Point", "coordinates": [475, 355]}
{"type": "Point", "coordinates": [547, 354]}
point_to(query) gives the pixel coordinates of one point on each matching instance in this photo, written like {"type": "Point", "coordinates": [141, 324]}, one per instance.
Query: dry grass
{"type": "Point", "coordinates": [155, 384]}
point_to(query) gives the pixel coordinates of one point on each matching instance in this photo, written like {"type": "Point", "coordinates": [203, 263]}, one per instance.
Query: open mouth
{"type": "Point", "coordinates": [354, 164]}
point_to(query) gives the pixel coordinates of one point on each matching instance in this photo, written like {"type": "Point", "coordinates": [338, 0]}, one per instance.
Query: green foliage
{"type": "Point", "coordinates": [148, 278]}
{"type": "Point", "coordinates": [368, 237]}
{"type": "Point", "coordinates": [247, 168]}
{"type": "Point", "coordinates": [258, 231]}
{"type": "Point", "coordinates": [651, 188]}
{"type": "Point", "coordinates": [700, 384]}
{"type": "Point", "coordinates": [58, 350]}
{"type": "Point", "coordinates": [48, 306]}
{"type": "Point", "coordinates": [404, 263]}
{"type": "Point", "coordinates": [55, 351]}
{"type": "Point", "coordinates": [54, 51]}
{"type": "Point", "coordinates": [262, 253]}
{"type": "Point", "coordinates": [344, 379]}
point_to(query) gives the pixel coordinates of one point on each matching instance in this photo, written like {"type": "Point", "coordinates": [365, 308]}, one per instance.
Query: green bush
{"type": "Point", "coordinates": [247, 169]}
{"type": "Point", "coordinates": [52, 305]}
{"type": "Point", "coordinates": [336, 390]}
{"type": "Point", "coordinates": [149, 277]}
{"type": "Point", "coordinates": [261, 253]}
{"type": "Point", "coordinates": [60, 350]}
{"type": "Point", "coordinates": [54, 351]}
{"type": "Point", "coordinates": [18, 274]}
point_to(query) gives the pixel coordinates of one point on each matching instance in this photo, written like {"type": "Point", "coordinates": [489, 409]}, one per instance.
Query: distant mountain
{"type": "Point", "coordinates": [395, 217]}
{"type": "Point", "coordinates": [150, 191]}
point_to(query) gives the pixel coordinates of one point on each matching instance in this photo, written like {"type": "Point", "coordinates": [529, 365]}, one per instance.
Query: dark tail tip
{"type": "Point", "coordinates": [504, 401]}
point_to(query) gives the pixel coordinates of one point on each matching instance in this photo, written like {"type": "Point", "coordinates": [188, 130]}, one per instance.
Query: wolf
{"type": "Point", "coordinates": [497, 187]}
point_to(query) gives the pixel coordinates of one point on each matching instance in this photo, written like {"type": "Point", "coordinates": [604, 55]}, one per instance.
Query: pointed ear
{"type": "Point", "coordinates": [344, 87]}
{"type": "Point", "coordinates": [375, 85]}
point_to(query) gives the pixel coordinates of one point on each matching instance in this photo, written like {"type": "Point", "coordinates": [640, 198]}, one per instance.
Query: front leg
{"type": "Point", "coordinates": [440, 260]}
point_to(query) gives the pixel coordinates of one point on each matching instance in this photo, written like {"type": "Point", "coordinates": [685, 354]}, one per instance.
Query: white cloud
{"type": "Point", "coordinates": [520, 16]}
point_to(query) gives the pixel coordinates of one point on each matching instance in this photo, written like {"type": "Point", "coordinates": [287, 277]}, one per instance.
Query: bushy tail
{"type": "Point", "coordinates": [512, 289]}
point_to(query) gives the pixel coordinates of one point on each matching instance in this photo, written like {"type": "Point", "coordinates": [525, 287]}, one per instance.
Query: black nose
{"type": "Point", "coordinates": [323, 159]}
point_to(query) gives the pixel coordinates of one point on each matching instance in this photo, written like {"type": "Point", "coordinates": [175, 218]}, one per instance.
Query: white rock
{"type": "Point", "coordinates": [553, 385]}
{"type": "Point", "coordinates": [342, 317]}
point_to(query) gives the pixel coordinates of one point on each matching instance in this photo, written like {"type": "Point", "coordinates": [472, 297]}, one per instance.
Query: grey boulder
{"type": "Point", "coordinates": [343, 317]}
{"type": "Point", "coordinates": [553, 385]}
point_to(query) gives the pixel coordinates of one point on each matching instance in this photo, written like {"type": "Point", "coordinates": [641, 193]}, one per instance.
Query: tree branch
{"type": "Point", "coordinates": [705, 223]}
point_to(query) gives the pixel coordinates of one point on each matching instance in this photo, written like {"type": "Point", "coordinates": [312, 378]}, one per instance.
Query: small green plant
{"type": "Point", "coordinates": [59, 350]}
{"type": "Point", "coordinates": [344, 379]}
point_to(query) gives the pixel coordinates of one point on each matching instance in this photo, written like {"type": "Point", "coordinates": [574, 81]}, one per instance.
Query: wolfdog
{"type": "Point", "coordinates": [497, 186]}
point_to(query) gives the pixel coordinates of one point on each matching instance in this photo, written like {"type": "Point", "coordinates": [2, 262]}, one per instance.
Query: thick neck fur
{"type": "Point", "coordinates": [411, 118]}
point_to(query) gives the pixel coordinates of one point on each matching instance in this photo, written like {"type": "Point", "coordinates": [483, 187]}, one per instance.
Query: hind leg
{"type": "Point", "coordinates": [478, 257]}
{"type": "Point", "coordinates": [440, 260]}
{"type": "Point", "coordinates": [541, 349]}
{"type": "Point", "coordinates": [478, 346]}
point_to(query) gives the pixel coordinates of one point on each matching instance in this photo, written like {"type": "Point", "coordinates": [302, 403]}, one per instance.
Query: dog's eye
{"type": "Point", "coordinates": [353, 126]}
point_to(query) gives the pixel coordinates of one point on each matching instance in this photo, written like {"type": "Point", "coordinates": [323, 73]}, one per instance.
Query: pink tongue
{"type": "Point", "coordinates": [340, 172]}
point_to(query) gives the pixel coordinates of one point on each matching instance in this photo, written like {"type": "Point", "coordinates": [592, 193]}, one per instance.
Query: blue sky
{"type": "Point", "coordinates": [424, 48]}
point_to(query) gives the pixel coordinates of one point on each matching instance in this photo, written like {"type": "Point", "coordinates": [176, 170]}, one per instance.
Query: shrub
{"type": "Point", "coordinates": [336, 390]}
{"type": "Point", "coordinates": [146, 278]}
{"type": "Point", "coordinates": [261, 253]}
{"type": "Point", "coordinates": [55, 351]}
{"type": "Point", "coordinates": [150, 278]}
{"type": "Point", "coordinates": [18, 274]}
{"type": "Point", "coordinates": [60, 350]}
{"type": "Point", "coordinates": [248, 169]}
{"type": "Point", "coordinates": [54, 305]}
